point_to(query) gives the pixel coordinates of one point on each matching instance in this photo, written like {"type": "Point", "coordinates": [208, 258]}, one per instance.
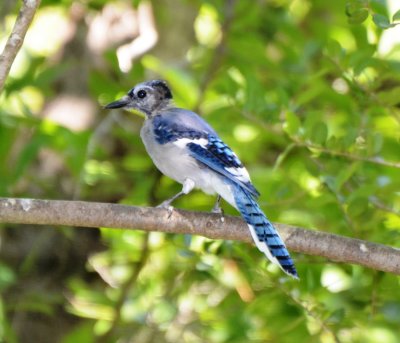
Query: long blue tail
{"type": "Point", "coordinates": [264, 234]}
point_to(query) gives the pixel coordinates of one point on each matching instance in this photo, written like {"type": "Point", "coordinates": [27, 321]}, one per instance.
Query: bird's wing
{"type": "Point", "coordinates": [187, 130]}
{"type": "Point", "coordinates": [216, 155]}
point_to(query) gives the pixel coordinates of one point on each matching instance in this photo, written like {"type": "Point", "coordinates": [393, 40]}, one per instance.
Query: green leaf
{"type": "Point", "coordinates": [292, 124]}
{"type": "Point", "coordinates": [381, 21]}
{"type": "Point", "coordinates": [28, 155]}
{"type": "Point", "coordinates": [357, 206]}
{"type": "Point", "coordinates": [396, 16]}
{"type": "Point", "coordinates": [390, 97]}
{"type": "Point", "coordinates": [357, 11]}
{"type": "Point", "coordinates": [319, 133]}
{"type": "Point", "coordinates": [354, 6]}
{"type": "Point", "coordinates": [375, 143]}
{"type": "Point", "coordinates": [358, 16]}
{"type": "Point", "coordinates": [82, 333]}
{"type": "Point", "coordinates": [336, 316]}
{"type": "Point", "coordinates": [7, 276]}
{"type": "Point", "coordinates": [283, 155]}
{"type": "Point", "coordinates": [334, 49]}
{"type": "Point", "coordinates": [345, 174]}
{"type": "Point", "coordinates": [378, 6]}
{"type": "Point", "coordinates": [329, 181]}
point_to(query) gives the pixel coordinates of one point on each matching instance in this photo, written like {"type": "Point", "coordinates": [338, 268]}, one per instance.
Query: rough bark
{"type": "Point", "coordinates": [16, 38]}
{"type": "Point", "coordinates": [90, 214]}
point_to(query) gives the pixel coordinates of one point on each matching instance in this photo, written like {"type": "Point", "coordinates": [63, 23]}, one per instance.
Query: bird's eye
{"type": "Point", "coordinates": [141, 94]}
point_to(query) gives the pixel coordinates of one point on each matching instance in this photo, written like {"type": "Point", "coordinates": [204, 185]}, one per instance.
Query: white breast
{"type": "Point", "coordinates": [174, 161]}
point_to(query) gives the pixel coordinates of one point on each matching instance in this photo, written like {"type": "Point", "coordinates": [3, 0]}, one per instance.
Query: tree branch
{"type": "Point", "coordinates": [375, 160]}
{"type": "Point", "coordinates": [16, 38]}
{"type": "Point", "coordinates": [90, 214]}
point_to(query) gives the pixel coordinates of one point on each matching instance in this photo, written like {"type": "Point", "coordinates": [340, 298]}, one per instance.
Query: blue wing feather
{"type": "Point", "coordinates": [220, 158]}
{"type": "Point", "coordinates": [182, 124]}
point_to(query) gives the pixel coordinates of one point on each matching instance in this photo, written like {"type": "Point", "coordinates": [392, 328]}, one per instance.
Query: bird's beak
{"type": "Point", "coordinates": [119, 103]}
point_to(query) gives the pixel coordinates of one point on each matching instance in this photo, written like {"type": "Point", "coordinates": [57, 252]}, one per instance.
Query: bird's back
{"type": "Point", "coordinates": [179, 123]}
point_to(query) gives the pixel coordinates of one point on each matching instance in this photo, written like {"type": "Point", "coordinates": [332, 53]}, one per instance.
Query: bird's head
{"type": "Point", "coordinates": [147, 97]}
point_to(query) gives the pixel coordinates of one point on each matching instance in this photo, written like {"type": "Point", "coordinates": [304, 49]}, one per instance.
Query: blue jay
{"type": "Point", "coordinates": [185, 148]}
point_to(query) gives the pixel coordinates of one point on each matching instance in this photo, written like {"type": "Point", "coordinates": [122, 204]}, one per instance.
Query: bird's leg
{"type": "Point", "coordinates": [188, 185]}
{"type": "Point", "coordinates": [217, 208]}
{"type": "Point", "coordinates": [166, 204]}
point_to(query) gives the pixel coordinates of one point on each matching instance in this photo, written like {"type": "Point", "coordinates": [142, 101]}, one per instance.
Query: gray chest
{"type": "Point", "coordinates": [170, 159]}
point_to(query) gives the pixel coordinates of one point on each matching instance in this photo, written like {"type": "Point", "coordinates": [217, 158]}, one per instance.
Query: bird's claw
{"type": "Point", "coordinates": [166, 206]}
{"type": "Point", "coordinates": [220, 211]}
{"type": "Point", "coordinates": [170, 209]}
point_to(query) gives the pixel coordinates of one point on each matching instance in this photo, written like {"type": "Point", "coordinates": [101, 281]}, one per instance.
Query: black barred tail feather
{"type": "Point", "coordinates": [264, 234]}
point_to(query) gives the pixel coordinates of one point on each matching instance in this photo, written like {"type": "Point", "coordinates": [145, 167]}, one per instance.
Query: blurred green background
{"type": "Point", "coordinates": [306, 92]}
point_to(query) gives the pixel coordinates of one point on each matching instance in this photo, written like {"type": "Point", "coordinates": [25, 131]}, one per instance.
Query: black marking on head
{"type": "Point", "coordinates": [163, 87]}
{"type": "Point", "coordinates": [131, 92]}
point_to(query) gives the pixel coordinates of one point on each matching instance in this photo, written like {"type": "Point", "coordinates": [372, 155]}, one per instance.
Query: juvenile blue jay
{"type": "Point", "coordinates": [185, 148]}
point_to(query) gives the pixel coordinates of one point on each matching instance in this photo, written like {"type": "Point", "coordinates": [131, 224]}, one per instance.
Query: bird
{"type": "Point", "coordinates": [184, 147]}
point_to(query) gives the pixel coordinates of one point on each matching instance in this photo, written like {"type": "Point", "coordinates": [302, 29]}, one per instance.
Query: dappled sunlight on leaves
{"type": "Point", "coordinates": [307, 95]}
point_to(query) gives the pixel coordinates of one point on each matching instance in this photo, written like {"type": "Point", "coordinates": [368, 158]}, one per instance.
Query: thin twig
{"type": "Point", "coordinates": [90, 214]}
{"type": "Point", "coordinates": [125, 289]}
{"type": "Point", "coordinates": [16, 38]}
{"type": "Point", "coordinates": [382, 206]}
{"type": "Point", "coordinates": [296, 142]}
{"type": "Point", "coordinates": [375, 160]}
{"type": "Point", "coordinates": [311, 311]}
{"type": "Point", "coordinates": [218, 53]}
{"type": "Point", "coordinates": [98, 134]}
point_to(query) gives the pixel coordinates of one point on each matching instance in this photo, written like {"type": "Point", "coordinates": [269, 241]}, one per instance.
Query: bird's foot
{"type": "Point", "coordinates": [166, 205]}
{"type": "Point", "coordinates": [218, 210]}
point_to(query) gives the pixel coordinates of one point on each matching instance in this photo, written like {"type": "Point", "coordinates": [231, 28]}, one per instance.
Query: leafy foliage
{"type": "Point", "coordinates": [306, 93]}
